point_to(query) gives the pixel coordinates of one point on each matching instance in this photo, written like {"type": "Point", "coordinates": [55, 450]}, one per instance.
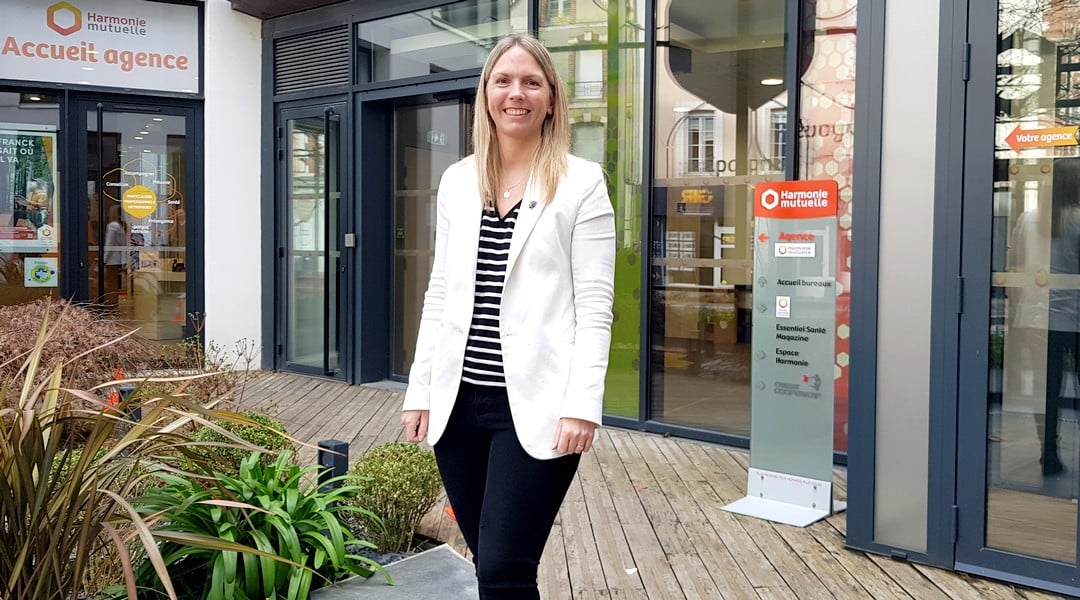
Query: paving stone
{"type": "Point", "coordinates": [436, 574]}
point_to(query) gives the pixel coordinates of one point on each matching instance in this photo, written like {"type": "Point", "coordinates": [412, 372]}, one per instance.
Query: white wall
{"type": "Point", "coordinates": [909, 117]}
{"type": "Point", "coordinates": [233, 68]}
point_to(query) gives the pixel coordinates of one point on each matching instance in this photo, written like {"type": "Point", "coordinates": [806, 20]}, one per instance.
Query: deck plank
{"type": "Point", "coordinates": [552, 575]}
{"type": "Point", "coordinates": [620, 573]}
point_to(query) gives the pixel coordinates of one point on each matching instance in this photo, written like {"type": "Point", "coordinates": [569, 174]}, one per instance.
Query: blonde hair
{"type": "Point", "coordinates": [549, 158]}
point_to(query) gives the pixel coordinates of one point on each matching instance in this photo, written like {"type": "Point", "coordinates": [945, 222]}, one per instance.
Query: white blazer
{"type": "Point", "coordinates": [555, 317]}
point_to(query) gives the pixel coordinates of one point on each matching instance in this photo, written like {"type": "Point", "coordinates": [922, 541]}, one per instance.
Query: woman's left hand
{"type": "Point", "coordinates": [573, 436]}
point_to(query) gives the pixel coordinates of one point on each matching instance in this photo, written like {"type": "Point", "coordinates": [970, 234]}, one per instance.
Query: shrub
{"type": "Point", "coordinates": [231, 368]}
{"type": "Point", "coordinates": [76, 337]}
{"type": "Point", "coordinates": [265, 432]}
{"type": "Point", "coordinates": [277, 509]}
{"type": "Point", "coordinates": [64, 504]}
{"type": "Point", "coordinates": [399, 483]}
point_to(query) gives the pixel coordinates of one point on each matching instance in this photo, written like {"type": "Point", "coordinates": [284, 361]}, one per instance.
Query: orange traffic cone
{"type": "Point", "coordinates": [178, 313]}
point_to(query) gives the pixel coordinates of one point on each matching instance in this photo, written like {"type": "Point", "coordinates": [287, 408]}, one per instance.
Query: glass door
{"type": "Point", "coordinates": [310, 258]}
{"type": "Point", "coordinates": [1020, 349]}
{"type": "Point", "coordinates": [136, 169]}
{"type": "Point", "coordinates": [428, 137]}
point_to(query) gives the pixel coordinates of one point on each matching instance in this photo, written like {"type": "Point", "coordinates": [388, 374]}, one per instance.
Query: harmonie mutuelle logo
{"type": "Point", "coordinates": [61, 13]}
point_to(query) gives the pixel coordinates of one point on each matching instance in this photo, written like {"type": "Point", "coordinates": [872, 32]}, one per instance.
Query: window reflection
{"type": "Point", "coordinates": [826, 140]}
{"type": "Point", "coordinates": [605, 86]}
{"type": "Point", "coordinates": [446, 38]}
{"type": "Point", "coordinates": [719, 89]}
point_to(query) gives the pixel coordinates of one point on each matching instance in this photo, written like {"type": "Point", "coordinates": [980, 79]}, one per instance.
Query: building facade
{"type": "Point", "coordinates": [294, 155]}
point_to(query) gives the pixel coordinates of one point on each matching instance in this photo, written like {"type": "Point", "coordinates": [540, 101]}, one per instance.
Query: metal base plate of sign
{"type": "Point", "coordinates": [786, 499]}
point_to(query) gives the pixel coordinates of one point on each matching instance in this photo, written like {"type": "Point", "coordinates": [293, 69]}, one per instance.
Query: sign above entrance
{"type": "Point", "coordinates": [112, 43]}
{"type": "Point", "coordinates": [1023, 139]}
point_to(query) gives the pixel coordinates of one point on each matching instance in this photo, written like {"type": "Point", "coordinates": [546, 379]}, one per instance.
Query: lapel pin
{"type": "Point", "coordinates": [532, 204]}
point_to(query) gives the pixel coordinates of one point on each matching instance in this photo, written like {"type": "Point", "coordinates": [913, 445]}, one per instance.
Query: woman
{"type": "Point", "coordinates": [508, 377]}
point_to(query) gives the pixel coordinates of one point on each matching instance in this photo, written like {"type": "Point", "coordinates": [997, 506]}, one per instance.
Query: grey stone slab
{"type": "Point", "coordinates": [436, 574]}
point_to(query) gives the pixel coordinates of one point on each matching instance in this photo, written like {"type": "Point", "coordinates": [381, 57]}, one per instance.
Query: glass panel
{"type": "Point", "coordinates": [716, 137]}
{"type": "Point", "coordinates": [29, 197]}
{"type": "Point", "coordinates": [137, 235]}
{"type": "Point", "coordinates": [313, 253]}
{"type": "Point", "coordinates": [436, 40]}
{"type": "Point", "coordinates": [1033, 407]}
{"type": "Point", "coordinates": [719, 80]}
{"type": "Point", "coordinates": [597, 49]}
{"type": "Point", "coordinates": [427, 140]}
{"type": "Point", "coordinates": [826, 143]}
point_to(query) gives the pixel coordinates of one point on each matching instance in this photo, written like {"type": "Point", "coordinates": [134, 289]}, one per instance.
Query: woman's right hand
{"type": "Point", "coordinates": [415, 423]}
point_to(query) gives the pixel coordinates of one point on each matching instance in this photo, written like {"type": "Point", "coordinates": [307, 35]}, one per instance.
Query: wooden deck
{"type": "Point", "coordinates": [643, 518]}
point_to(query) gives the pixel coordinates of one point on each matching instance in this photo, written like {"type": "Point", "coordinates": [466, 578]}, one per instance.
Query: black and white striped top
{"type": "Point", "coordinates": [483, 351]}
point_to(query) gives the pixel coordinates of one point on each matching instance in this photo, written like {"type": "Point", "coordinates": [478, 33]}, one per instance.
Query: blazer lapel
{"type": "Point", "coordinates": [528, 215]}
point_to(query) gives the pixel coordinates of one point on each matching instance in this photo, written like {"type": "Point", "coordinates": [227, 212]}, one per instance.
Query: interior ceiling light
{"type": "Point", "coordinates": [772, 81]}
{"type": "Point", "coordinates": [34, 98]}
{"type": "Point", "coordinates": [681, 109]}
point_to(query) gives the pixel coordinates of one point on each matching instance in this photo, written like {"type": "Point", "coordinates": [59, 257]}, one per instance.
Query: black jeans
{"type": "Point", "coordinates": [505, 501]}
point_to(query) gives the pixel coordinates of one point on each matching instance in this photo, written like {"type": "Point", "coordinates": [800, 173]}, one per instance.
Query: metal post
{"type": "Point", "coordinates": [133, 412]}
{"type": "Point", "coordinates": [333, 462]}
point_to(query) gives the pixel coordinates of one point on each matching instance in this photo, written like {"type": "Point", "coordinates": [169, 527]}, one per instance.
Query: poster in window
{"type": "Point", "coordinates": [28, 200]}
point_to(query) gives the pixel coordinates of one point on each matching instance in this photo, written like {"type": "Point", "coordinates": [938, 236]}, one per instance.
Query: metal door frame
{"type": "Point", "coordinates": [972, 349]}
{"type": "Point", "coordinates": [74, 239]}
{"type": "Point", "coordinates": [375, 184]}
{"type": "Point", "coordinates": [341, 306]}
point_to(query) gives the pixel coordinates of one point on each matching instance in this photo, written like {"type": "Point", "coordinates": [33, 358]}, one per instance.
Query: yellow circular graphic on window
{"type": "Point", "coordinates": [139, 201]}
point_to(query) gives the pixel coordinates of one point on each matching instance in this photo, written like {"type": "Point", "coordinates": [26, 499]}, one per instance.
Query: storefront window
{"type": "Point", "coordinates": [722, 107]}
{"type": "Point", "coordinates": [1034, 345]}
{"type": "Point", "coordinates": [29, 197]}
{"type": "Point", "coordinates": [447, 38]}
{"type": "Point", "coordinates": [598, 49]}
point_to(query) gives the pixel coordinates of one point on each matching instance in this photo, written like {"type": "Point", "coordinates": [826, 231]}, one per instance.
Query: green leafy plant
{"type": "Point", "coordinates": [399, 483]}
{"type": "Point", "coordinates": [263, 432]}
{"type": "Point", "coordinates": [69, 461]}
{"type": "Point", "coordinates": [277, 509]}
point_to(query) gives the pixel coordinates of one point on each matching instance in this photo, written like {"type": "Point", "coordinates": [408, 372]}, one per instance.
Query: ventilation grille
{"type": "Point", "coordinates": [310, 61]}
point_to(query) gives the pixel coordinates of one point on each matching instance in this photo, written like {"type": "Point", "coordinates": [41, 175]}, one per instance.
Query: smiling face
{"type": "Point", "coordinates": [518, 96]}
